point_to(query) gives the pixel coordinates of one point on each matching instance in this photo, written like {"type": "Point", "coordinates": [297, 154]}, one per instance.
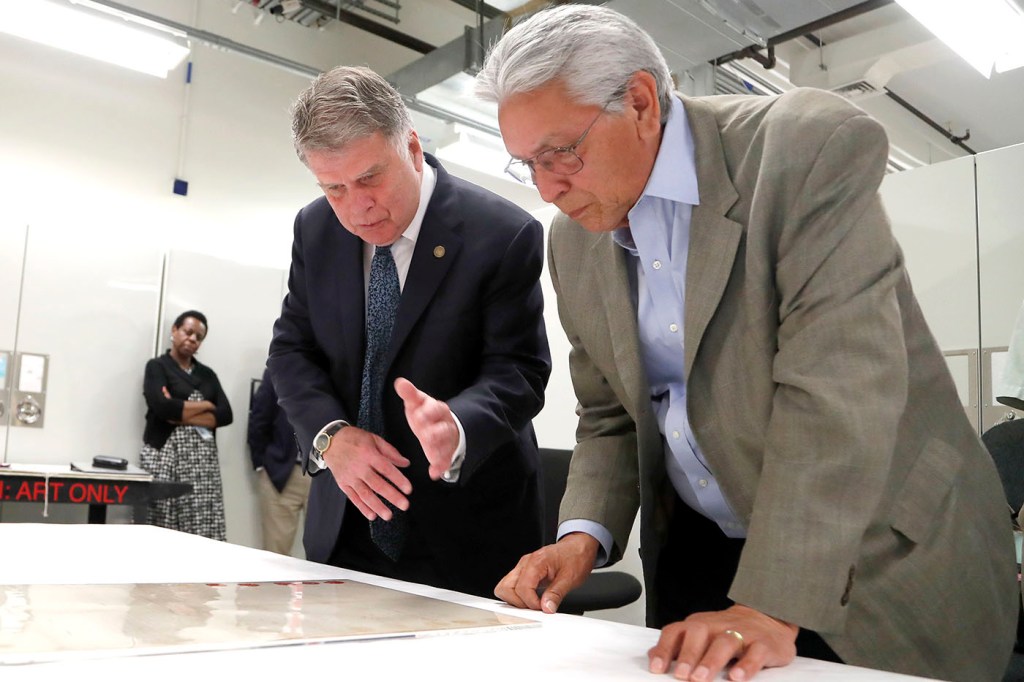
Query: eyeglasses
{"type": "Point", "coordinates": [557, 160]}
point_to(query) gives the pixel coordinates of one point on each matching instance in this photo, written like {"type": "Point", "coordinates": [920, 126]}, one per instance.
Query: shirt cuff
{"type": "Point", "coordinates": [452, 475]}
{"type": "Point", "coordinates": [594, 530]}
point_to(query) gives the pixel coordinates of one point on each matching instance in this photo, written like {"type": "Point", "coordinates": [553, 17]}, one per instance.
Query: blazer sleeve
{"type": "Point", "coordinates": [841, 375]}
{"type": "Point", "coordinates": [603, 485]}
{"type": "Point", "coordinates": [297, 365]}
{"type": "Point", "coordinates": [261, 421]}
{"type": "Point", "coordinates": [154, 381]}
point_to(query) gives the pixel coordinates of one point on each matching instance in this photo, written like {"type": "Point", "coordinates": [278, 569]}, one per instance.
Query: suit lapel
{"type": "Point", "coordinates": [437, 247]}
{"type": "Point", "coordinates": [714, 238]}
{"type": "Point", "coordinates": [610, 267]}
{"type": "Point", "coordinates": [348, 286]}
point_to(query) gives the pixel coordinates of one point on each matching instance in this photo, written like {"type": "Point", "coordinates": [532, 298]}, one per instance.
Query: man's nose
{"type": "Point", "coordinates": [365, 202]}
{"type": "Point", "coordinates": [550, 185]}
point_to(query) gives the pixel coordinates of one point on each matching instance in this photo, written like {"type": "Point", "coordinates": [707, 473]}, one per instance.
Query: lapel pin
{"type": "Point", "coordinates": [438, 252]}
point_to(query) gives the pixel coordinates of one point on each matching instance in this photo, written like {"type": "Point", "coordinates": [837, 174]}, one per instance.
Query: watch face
{"type": "Point", "coordinates": [321, 442]}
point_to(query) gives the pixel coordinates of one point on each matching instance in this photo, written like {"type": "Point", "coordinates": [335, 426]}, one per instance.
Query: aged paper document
{"type": "Point", "coordinates": [54, 622]}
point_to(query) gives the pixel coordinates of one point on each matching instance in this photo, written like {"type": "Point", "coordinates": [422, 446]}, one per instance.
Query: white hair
{"type": "Point", "coordinates": [592, 51]}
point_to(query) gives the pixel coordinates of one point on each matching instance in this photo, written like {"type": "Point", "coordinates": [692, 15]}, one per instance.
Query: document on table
{"type": "Point", "coordinates": [59, 622]}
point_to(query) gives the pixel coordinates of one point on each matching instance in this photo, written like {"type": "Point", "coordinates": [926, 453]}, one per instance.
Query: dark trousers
{"type": "Point", "coordinates": [356, 550]}
{"type": "Point", "coordinates": [696, 569]}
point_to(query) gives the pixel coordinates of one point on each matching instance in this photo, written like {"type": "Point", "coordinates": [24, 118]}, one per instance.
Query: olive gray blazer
{"type": "Point", "coordinates": [815, 390]}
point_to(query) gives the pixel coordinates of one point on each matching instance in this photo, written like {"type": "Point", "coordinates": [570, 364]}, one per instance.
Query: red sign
{"type": "Point", "coordinates": [77, 492]}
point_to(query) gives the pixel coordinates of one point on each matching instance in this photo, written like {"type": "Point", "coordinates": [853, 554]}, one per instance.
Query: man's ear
{"type": "Point", "coordinates": [416, 150]}
{"type": "Point", "coordinates": [642, 100]}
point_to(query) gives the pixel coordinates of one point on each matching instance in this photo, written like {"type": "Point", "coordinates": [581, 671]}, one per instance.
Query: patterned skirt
{"type": "Point", "coordinates": [187, 456]}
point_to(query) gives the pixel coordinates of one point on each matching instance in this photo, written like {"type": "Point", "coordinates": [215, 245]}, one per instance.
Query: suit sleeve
{"type": "Point", "coordinates": [515, 362]}
{"type": "Point", "coordinates": [261, 421]}
{"type": "Point", "coordinates": [297, 365]}
{"type": "Point", "coordinates": [841, 378]}
{"type": "Point", "coordinates": [603, 484]}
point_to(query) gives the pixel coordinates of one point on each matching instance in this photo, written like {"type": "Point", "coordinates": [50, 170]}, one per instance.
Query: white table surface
{"type": "Point", "coordinates": [563, 648]}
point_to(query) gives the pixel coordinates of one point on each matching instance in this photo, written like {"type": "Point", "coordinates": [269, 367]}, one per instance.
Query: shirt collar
{"type": "Point", "coordinates": [428, 180]}
{"type": "Point", "coordinates": [674, 176]}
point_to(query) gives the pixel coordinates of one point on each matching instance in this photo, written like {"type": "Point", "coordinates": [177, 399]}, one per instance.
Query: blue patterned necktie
{"type": "Point", "coordinates": [381, 303]}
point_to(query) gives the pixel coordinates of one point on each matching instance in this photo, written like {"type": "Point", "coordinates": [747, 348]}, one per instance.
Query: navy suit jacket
{"type": "Point", "coordinates": [469, 331]}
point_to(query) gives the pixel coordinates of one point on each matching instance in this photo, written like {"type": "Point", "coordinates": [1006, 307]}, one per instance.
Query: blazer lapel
{"type": "Point", "coordinates": [714, 238]}
{"type": "Point", "coordinates": [437, 247]}
{"type": "Point", "coordinates": [348, 286]}
{"type": "Point", "coordinates": [611, 270]}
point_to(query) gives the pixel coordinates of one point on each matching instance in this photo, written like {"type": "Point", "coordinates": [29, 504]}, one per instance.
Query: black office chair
{"type": "Point", "coordinates": [1005, 442]}
{"type": "Point", "coordinates": [604, 589]}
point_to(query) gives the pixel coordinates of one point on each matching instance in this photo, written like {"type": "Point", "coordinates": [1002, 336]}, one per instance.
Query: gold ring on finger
{"type": "Point", "coordinates": [738, 636]}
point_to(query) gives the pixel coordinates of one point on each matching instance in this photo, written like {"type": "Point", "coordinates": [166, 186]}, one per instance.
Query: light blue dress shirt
{"type": "Point", "coordinates": [657, 240]}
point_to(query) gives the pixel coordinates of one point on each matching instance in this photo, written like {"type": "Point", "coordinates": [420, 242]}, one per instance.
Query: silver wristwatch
{"type": "Point", "coordinates": [321, 442]}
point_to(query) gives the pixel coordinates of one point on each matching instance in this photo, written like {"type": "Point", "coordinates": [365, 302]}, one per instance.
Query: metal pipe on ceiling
{"type": "Point", "coordinates": [811, 27]}
{"type": "Point", "coordinates": [214, 40]}
{"type": "Point", "coordinates": [807, 31]}
{"type": "Point", "coordinates": [219, 41]}
{"type": "Point", "coordinates": [368, 25]}
{"type": "Point", "coordinates": [957, 140]}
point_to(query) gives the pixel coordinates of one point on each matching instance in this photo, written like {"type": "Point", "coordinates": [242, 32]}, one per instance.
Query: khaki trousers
{"type": "Point", "coordinates": [280, 511]}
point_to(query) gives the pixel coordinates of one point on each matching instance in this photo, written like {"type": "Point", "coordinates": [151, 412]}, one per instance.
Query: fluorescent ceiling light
{"type": "Point", "coordinates": [105, 35]}
{"type": "Point", "coordinates": [477, 151]}
{"type": "Point", "coordinates": [506, 5]}
{"type": "Point", "coordinates": [986, 33]}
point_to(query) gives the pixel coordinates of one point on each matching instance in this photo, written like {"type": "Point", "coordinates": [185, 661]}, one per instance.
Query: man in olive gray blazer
{"type": "Point", "coordinates": [806, 477]}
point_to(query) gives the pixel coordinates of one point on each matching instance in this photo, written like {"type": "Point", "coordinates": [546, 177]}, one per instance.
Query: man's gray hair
{"type": "Point", "coordinates": [592, 51]}
{"type": "Point", "coordinates": [346, 104]}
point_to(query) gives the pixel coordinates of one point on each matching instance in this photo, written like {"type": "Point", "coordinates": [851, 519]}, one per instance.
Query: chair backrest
{"type": "Point", "coordinates": [554, 466]}
{"type": "Point", "coordinates": [1005, 442]}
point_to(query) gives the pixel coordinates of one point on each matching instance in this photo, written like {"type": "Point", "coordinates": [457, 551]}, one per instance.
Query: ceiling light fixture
{"type": "Point", "coordinates": [99, 32]}
{"type": "Point", "coordinates": [985, 33]}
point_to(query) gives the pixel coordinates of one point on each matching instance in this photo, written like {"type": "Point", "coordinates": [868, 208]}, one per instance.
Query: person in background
{"type": "Point", "coordinates": [410, 354]}
{"type": "Point", "coordinates": [283, 490]}
{"type": "Point", "coordinates": [185, 407]}
{"type": "Point", "coordinates": [752, 371]}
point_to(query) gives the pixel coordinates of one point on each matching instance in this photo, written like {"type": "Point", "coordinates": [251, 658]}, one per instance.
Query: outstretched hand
{"type": "Point", "coordinates": [558, 569]}
{"type": "Point", "coordinates": [433, 425]}
{"type": "Point", "coordinates": [366, 468]}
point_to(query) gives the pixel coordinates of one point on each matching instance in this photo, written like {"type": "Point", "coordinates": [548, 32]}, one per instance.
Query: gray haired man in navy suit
{"type": "Point", "coordinates": [439, 450]}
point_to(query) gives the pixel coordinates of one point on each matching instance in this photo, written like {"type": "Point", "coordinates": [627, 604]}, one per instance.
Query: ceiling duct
{"type": "Point", "coordinates": [862, 65]}
{"type": "Point", "coordinates": [441, 83]}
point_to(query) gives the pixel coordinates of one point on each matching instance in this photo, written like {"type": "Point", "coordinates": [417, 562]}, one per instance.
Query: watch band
{"type": "Point", "coordinates": [316, 457]}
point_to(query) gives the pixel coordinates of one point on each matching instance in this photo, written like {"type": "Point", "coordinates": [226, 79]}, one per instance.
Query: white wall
{"type": "Point", "coordinates": [939, 242]}
{"type": "Point", "coordinates": [958, 225]}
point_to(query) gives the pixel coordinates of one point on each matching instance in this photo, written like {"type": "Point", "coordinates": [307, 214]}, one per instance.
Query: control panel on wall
{"type": "Point", "coordinates": [23, 388]}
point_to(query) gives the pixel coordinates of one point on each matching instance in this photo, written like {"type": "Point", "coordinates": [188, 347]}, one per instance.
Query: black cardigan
{"type": "Point", "coordinates": [162, 372]}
